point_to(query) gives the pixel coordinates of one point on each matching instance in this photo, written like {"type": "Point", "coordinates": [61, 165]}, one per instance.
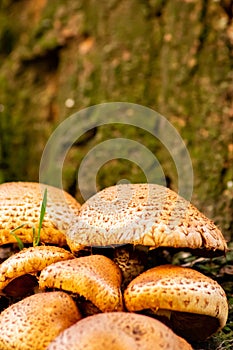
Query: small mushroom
{"type": "Point", "coordinates": [32, 323]}
{"type": "Point", "coordinates": [20, 204]}
{"type": "Point", "coordinates": [94, 277]}
{"type": "Point", "coordinates": [22, 266]}
{"type": "Point", "coordinates": [118, 331]}
{"type": "Point", "coordinates": [192, 304]}
{"type": "Point", "coordinates": [145, 217]}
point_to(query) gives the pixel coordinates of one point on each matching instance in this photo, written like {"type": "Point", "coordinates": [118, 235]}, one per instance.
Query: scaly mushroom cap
{"type": "Point", "coordinates": [143, 214]}
{"type": "Point", "coordinates": [117, 331]}
{"type": "Point", "coordinates": [32, 323]}
{"type": "Point", "coordinates": [30, 261]}
{"type": "Point", "coordinates": [20, 203]}
{"type": "Point", "coordinates": [195, 304]}
{"type": "Point", "coordinates": [94, 277]}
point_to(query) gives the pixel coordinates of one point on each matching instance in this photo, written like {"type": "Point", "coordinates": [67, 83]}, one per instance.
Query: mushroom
{"type": "Point", "coordinates": [95, 278]}
{"type": "Point", "coordinates": [192, 304]}
{"type": "Point", "coordinates": [143, 217]}
{"type": "Point", "coordinates": [117, 331]}
{"type": "Point", "coordinates": [32, 323]}
{"type": "Point", "coordinates": [143, 214]}
{"type": "Point", "coordinates": [20, 204]}
{"type": "Point", "coordinates": [18, 272]}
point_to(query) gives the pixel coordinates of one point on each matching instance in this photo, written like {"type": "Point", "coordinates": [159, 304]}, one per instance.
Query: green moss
{"type": "Point", "coordinates": [141, 52]}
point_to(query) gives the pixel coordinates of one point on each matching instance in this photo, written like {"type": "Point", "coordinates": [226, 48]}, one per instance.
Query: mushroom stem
{"type": "Point", "coordinates": [131, 260]}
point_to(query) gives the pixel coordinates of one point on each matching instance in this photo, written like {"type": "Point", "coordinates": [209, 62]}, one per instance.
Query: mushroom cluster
{"type": "Point", "coordinates": [102, 276]}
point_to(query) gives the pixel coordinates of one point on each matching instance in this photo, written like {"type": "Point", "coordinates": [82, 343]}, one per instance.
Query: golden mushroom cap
{"type": "Point", "coordinates": [95, 277]}
{"type": "Point", "coordinates": [195, 304]}
{"type": "Point", "coordinates": [20, 203]}
{"type": "Point", "coordinates": [118, 331]}
{"type": "Point", "coordinates": [32, 323]}
{"type": "Point", "coordinates": [143, 214]}
{"type": "Point", "coordinates": [30, 261]}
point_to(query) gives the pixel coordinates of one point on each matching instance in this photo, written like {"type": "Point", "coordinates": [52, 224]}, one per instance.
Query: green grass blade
{"type": "Point", "coordinates": [42, 214]}
{"type": "Point", "coordinates": [34, 239]}
{"type": "Point", "coordinates": [19, 241]}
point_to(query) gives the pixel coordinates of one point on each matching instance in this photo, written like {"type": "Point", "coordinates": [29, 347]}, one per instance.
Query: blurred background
{"type": "Point", "coordinates": [174, 56]}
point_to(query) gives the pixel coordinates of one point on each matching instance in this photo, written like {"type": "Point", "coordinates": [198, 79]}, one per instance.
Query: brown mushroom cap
{"type": "Point", "coordinates": [32, 323]}
{"type": "Point", "coordinates": [197, 303]}
{"type": "Point", "coordinates": [118, 331]}
{"type": "Point", "coordinates": [20, 203]}
{"type": "Point", "coordinates": [30, 261]}
{"type": "Point", "coordinates": [143, 214]}
{"type": "Point", "coordinates": [94, 277]}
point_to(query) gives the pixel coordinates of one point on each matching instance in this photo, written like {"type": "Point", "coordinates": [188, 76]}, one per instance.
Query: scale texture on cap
{"type": "Point", "coordinates": [95, 277]}
{"type": "Point", "coordinates": [32, 323]}
{"type": "Point", "coordinates": [145, 214]}
{"type": "Point", "coordinates": [20, 203]}
{"type": "Point", "coordinates": [180, 289]}
{"type": "Point", "coordinates": [30, 261]}
{"type": "Point", "coordinates": [118, 331]}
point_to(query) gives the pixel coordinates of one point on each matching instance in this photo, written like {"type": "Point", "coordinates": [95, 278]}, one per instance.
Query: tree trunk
{"type": "Point", "coordinates": [58, 57]}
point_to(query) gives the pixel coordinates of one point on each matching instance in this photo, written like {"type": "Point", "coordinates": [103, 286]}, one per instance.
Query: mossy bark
{"type": "Point", "coordinates": [172, 56]}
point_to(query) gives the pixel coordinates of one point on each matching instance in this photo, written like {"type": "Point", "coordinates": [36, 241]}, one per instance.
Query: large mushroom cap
{"type": "Point", "coordinates": [20, 203]}
{"type": "Point", "coordinates": [195, 304]}
{"type": "Point", "coordinates": [30, 261]}
{"type": "Point", "coordinates": [95, 277]}
{"type": "Point", "coordinates": [117, 331]}
{"type": "Point", "coordinates": [143, 214]}
{"type": "Point", "coordinates": [32, 323]}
